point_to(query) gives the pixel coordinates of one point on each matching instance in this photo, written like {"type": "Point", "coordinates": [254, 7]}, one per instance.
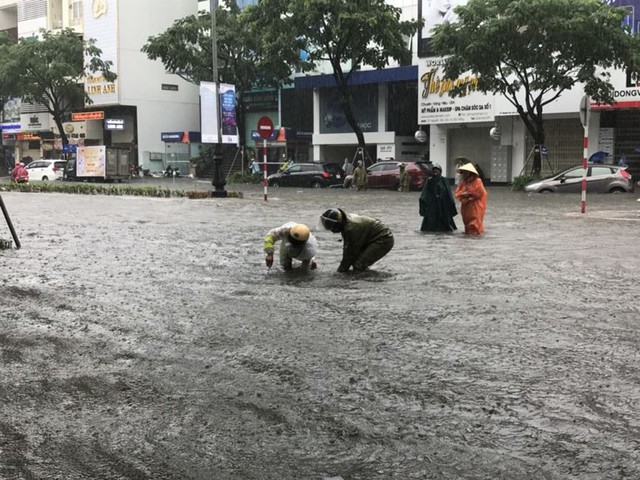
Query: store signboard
{"type": "Point", "coordinates": [101, 24]}
{"type": "Point", "coordinates": [435, 105]}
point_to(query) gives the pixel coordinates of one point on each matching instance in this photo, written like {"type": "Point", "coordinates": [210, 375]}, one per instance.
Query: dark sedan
{"type": "Point", "coordinates": [314, 175]}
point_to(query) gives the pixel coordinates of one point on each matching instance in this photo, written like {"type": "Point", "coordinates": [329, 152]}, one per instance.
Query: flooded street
{"type": "Point", "coordinates": [145, 339]}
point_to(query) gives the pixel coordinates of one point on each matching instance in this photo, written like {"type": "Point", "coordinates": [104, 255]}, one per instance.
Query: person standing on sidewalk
{"type": "Point", "coordinates": [365, 239]}
{"type": "Point", "coordinates": [296, 243]}
{"type": "Point", "coordinates": [473, 199]}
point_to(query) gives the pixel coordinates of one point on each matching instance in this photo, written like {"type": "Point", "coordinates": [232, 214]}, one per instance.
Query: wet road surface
{"type": "Point", "coordinates": [144, 338]}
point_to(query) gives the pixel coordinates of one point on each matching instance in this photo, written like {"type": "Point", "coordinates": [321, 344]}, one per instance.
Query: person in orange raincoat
{"type": "Point", "coordinates": [473, 199]}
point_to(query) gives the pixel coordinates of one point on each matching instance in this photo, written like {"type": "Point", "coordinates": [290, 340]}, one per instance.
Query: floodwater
{"type": "Point", "coordinates": [145, 339]}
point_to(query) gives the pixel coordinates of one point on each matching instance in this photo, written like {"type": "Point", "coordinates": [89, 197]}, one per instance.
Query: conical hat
{"type": "Point", "coordinates": [468, 167]}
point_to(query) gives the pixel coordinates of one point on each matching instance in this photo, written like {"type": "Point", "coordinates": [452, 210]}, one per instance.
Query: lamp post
{"type": "Point", "coordinates": [218, 176]}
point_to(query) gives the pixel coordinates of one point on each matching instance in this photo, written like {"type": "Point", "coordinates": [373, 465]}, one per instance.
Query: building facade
{"type": "Point", "coordinates": [484, 128]}
{"type": "Point", "coordinates": [130, 113]}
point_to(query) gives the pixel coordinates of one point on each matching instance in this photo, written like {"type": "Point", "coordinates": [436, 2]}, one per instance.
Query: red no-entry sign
{"type": "Point", "coordinates": [265, 127]}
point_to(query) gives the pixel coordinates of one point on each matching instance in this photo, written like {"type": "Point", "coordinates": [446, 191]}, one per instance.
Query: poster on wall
{"type": "Point", "coordinates": [209, 113]}
{"type": "Point", "coordinates": [228, 113]}
{"type": "Point", "coordinates": [91, 161]}
{"type": "Point", "coordinates": [433, 13]}
{"type": "Point", "coordinates": [606, 141]}
{"type": "Point", "coordinates": [386, 151]}
{"type": "Point", "coordinates": [364, 104]}
{"type": "Point", "coordinates": [436, 106]}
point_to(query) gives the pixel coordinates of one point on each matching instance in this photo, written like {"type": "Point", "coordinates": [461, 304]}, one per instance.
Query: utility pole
{"type": "Point", "coordinates": [218, 176]}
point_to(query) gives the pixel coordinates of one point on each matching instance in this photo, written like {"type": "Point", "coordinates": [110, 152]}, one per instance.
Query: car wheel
{"type": "Point", "coordinates": [546, 190]}
{"type": "Point", "coordinates": [45, 178]}
{"type": "Point", "coordinates": [617, 190]}
{"type": "Point", "coordinates": [316, 184]}
{"type": "Point", "coordinates": [274, 184]}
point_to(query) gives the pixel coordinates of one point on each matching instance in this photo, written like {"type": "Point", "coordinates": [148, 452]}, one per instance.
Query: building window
{"type": "Point", "coordinates": [76, 12]}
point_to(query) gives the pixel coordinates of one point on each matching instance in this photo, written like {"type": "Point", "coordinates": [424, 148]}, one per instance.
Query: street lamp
{"type": "Point", "coordinates": [218, 176]}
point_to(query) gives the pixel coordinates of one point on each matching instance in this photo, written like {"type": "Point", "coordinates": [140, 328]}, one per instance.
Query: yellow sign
{"type": "Point", "coordinates": [99, 8]}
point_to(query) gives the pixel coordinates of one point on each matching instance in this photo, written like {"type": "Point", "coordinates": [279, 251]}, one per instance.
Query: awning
{"type": "Point", "coordinates": [362, 77]}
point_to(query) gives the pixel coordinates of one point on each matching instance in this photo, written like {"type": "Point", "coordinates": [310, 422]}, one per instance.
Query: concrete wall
{"type": "Point", "coordinates": [141, 79]}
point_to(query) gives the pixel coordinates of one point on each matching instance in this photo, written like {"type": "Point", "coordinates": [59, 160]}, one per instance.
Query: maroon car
{"type": "Point", "coordinates": [387, 175]}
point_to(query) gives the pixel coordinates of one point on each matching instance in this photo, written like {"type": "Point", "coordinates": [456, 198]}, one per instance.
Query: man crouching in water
{"type": "Point", "coordinates": [366, 240]}
{"type": "Point", "coordinates": [296, 242]}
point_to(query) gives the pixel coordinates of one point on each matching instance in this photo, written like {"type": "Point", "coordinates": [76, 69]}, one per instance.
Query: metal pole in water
{"type": "Point", "coordinates": [9, 224]}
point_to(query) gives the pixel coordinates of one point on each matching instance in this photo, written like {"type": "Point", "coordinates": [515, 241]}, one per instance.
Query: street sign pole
{"type": "Point", "coordinates": [585, 114]}
{"type": "Point", "coordinates": [265, 182]}
{"type": "Point", "coordinates": [265, 129]}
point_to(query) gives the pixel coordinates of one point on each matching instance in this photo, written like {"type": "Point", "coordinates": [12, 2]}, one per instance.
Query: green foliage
{"type": "Point", "coordinates": [244, 177]}
{"type": "Point", "coordinates": [117, 190]}
{"type": "Point", "coordinates": [247, 54]}
{"type": "Point", "coordinates": [50, 70]}
{"type": "Point", "coordinates": [531, 51]}
{"type": "Point", "coordinates": [349, 34]}
{"type": "Point", "coordinates": [95, 189]}
{"type": "Point", "coordinates": [520, 181]}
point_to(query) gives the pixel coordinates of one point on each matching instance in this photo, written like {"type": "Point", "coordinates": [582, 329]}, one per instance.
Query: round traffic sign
{"type": "Point", "coordinates": [265, 127]}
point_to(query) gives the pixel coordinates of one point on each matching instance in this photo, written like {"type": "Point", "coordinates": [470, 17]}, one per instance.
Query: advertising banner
{"type": "Point", "coordinates": [91, 161]}
{"type": "Point", "coordinates": [101, 24]}
{"type": "Point", "coordinates": [436, 106]}
{"type": "Point", "coordinates": [209, 113]}
{"type": "Point", "coordinates": [228, 110]}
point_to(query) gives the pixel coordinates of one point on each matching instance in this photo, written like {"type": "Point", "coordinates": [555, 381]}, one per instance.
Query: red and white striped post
{"type": "Point", "coordinates": [584, 118]}
{"type": "Point", "coordinates": [265, 129]}
{"type": "Point", "coordinates": [265, 182]}
{"type": "Point", "coordinates": [585, 155]}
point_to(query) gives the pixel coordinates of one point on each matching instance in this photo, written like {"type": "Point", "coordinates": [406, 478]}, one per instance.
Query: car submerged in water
{"type": "Point", "coordinates": [600, 179]}
{"type": "Point", "coordinates": [314, 175]}
{"type": "Point", "coordinates": [386, 174]}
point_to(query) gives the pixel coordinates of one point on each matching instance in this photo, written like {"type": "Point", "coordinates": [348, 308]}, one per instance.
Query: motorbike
{"type": "Point", "coordinates": [171, 172]}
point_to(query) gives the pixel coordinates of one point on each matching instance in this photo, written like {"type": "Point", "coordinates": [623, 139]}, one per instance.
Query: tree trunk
{"type": "Point", "coordinates": [532, 120]}
{"type": "Point", "coordinates": [347, 108]}
{"type": "Point", "coordinates": [539, 138]}
{"type": "Point", "coordinates": [58, 121]}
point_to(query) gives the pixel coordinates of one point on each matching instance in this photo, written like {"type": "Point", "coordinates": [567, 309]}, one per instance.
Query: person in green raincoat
{"type": "Point", "coordinates": [360, 176]}
{"type": "Point", "coordinates": [437, 205]}
{"type": "Point", "coordinates": [365, 239]}
{"type": "Point", "coordinates": [405, 180]}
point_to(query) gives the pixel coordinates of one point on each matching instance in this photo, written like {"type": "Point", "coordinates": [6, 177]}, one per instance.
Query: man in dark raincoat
{"type": "Point", "coordinates": [365, 239]}
{"type": "Point", "coordinates": [437, 205]}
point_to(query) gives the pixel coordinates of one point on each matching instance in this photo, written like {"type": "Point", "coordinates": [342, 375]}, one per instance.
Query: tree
{"type": "Point", "coordinates": [49, 70]}
{"type": "Point", "coordinates": [245, 58]}
{"type": "Point", "coordinates": [8, 87]}
{"type": "Point", "coordinates": [348, 34]}
{"type": "Point", "coordinates": [531, 51]}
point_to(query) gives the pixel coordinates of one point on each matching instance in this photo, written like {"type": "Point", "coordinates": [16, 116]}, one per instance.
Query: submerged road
{"type": "Point", "coordinates": [144, 338]}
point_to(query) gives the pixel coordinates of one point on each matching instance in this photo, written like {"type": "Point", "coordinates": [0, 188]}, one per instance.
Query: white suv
{"type": "Point", "coordinates": [46, 170]}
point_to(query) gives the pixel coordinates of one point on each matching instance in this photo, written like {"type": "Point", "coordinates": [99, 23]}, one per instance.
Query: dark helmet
{"type": "Point", "coordinates": [332, 220]}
